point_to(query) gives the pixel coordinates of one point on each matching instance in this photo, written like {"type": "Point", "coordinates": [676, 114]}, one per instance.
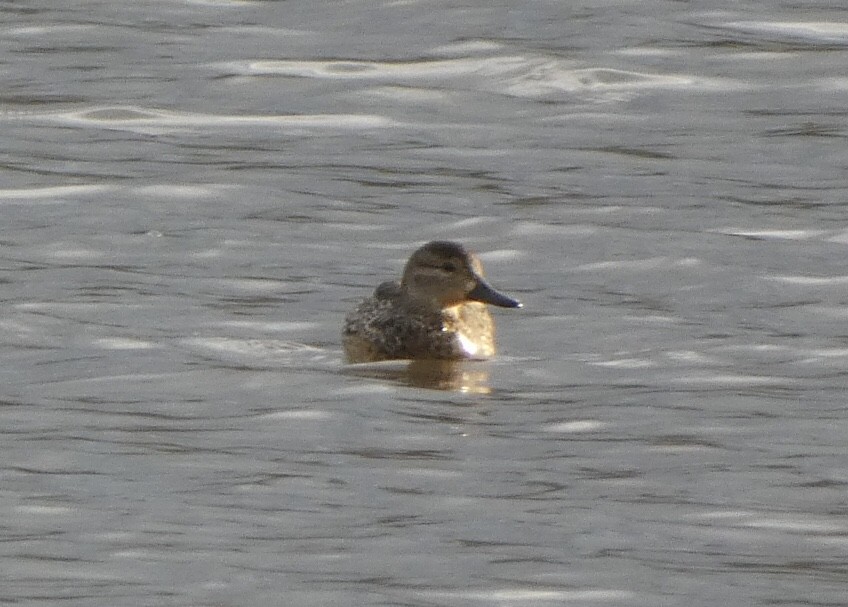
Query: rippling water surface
{"type": "Point", "coordinates": [194, 193]}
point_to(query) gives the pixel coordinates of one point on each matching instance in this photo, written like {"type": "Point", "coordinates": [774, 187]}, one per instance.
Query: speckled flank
{"type": "Point", "coordinates": [394, 328]}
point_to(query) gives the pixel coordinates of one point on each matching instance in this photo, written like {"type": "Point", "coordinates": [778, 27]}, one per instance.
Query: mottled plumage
{"type": "Point", "coordinates": [437, 311]}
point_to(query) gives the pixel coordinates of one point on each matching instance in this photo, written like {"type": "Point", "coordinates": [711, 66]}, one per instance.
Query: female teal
{"type": "Point", "coordinates": [437, 311]}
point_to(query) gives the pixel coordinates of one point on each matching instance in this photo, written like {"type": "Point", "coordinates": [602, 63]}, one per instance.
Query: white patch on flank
{"type": "Point", "coordinates": [468, 346]}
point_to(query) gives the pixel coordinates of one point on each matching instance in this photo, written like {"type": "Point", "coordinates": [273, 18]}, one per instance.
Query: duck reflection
{"type": "Point", "coordinates": [449, 375]}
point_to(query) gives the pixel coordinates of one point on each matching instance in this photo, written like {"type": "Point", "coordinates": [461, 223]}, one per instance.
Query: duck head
{"type": "Point", "coordinates": [444, 274]}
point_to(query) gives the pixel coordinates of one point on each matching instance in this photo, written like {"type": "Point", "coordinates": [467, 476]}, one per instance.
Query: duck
{"type": "Point", "coordinates": [438, 311]}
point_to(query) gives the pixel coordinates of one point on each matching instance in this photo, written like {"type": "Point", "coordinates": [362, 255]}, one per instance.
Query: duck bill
{"type": "Point", "coordinates": [486, 294]}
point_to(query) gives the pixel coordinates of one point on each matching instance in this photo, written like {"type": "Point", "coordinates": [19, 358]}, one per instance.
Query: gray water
{"type": "Point", "coordinates": [194, 193]}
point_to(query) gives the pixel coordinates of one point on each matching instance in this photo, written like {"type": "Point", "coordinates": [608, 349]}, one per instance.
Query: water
{"type": "Point", "coordinates": [194, 193]}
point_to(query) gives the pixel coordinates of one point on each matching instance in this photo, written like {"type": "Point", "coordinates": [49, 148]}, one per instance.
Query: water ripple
{"type": "Point", "coordinates": [153, 121]}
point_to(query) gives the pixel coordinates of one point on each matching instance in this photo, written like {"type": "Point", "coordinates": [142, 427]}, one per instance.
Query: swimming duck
{"type": "Point", "coordinates": [437, 311]}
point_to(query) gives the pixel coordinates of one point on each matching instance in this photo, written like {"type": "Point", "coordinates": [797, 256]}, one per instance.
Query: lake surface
{"type": "Point", "coordinates": [193, 194]}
